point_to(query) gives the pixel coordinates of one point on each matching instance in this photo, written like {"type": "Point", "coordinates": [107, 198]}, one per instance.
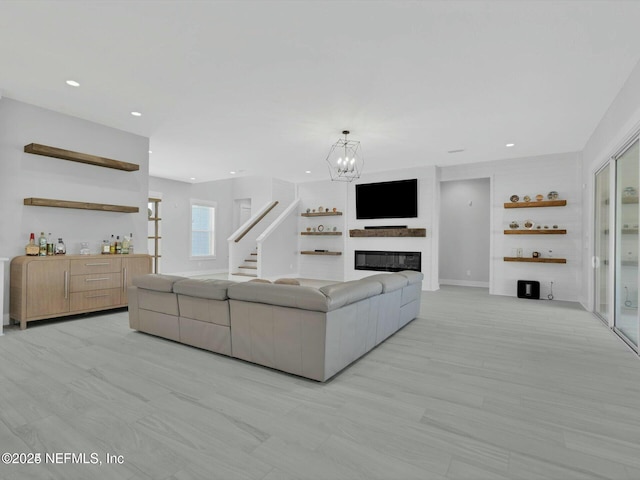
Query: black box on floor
{"type": "Point", "coordinates": [529, 289]}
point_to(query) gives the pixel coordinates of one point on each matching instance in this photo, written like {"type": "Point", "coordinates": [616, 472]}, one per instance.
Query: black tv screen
{"type": "Point", "coordinates": [397, 199]}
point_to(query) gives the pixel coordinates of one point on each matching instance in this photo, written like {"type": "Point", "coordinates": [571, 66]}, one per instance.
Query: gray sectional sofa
{"type": "Point", "coordinates": [313, 333]}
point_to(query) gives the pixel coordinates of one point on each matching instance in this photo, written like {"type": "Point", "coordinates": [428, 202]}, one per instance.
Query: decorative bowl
{"type": "Point", "coordinates": [514, 198]}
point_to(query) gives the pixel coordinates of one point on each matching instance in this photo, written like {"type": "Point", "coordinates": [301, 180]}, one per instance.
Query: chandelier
{"type": "Point", "coordinates": [345, 160]}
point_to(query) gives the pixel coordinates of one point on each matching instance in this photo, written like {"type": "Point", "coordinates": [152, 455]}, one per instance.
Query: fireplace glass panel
{"type": "Point", "coordinates": [386, 261]}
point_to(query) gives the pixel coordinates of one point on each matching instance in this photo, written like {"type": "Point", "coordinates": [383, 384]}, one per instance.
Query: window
{"type": "Point", "coordinates": [203, 231]}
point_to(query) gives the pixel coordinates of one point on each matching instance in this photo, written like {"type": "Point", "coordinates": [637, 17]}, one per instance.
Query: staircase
{"type": "Point", "coordinates": [249, 267]}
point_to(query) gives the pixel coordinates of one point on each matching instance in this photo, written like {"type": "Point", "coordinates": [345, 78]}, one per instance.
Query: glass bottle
{"type": "Point", "coordinates": [112, 246]}
{"type": "Point", "coordinates": [32, 248]}
{"type": "Point", "coordinates": [125, 245]}
{"type": "Point", "coordinates": [50, 246]}
{"type": "Point", "coordinates": [131, 244]}
{"type": "Point", "coordinates": [42, 243]}
{"type": "Point", "coordinates": [118, 245]}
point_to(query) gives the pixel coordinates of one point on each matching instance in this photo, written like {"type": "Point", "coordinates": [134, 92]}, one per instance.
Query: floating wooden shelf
{"type": "Point", "coordinates": [47, 202]}
{"type": "Point", "coordinates": [321, 214]}
{"type": "Point", "coordinates": [320, 233]}
{"type": "Point", "coordinates": [554, 231]}
{"type": "Point", "coordinates": [630, 199]}
{"type": "Point", "coordinates": [311, 252]}
{"type": "Point", "coordinates": [543, 203]}
{"type": "Point", "coordinates": [54, 152]}
{"type": "Point", "coordinates": [535, 260]}
{"type": "Point", "coordinates": [389, 232]}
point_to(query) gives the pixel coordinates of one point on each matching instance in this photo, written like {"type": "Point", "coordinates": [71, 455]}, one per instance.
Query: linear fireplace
{"type": "Point", "coordinates": [385, 261]}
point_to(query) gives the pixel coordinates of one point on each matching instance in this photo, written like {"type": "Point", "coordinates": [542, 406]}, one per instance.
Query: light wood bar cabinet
{"type": "Point", "coordinates": [48, 287]}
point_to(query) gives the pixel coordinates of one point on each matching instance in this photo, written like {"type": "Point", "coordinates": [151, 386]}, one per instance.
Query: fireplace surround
{"type": "Point", "coordinates": [387, 261]}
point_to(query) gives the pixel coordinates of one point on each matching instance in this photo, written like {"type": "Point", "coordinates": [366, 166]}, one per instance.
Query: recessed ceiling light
{"type": "Point", "coordinates": [232, 172]}
{"type": "Point", "coordinates": [510, 145]}
{"type": "Point", "coordinates": [150, 151]}
{"type": "Point", "coordinates": [307, 171]}
{"type": "Point", "coordinates": [73, 83]}
{"type": "Point", "coordinates": [192, 178]}
{"type": "Point", "coordinates": [136, 114]}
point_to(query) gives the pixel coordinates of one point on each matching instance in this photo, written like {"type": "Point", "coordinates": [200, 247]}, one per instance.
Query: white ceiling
{"type": "Point", "coordinates": [265, 87]}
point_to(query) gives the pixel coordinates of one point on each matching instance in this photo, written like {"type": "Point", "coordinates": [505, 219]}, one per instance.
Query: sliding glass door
{"type": "Point", "coordinates": [602, 259]}
{"type": "Point", "coordinates": [626, 231]}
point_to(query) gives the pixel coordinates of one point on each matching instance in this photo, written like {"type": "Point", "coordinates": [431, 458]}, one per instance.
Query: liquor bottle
{"type": "Point", "coordinates": [42, 243]}
{"type": "Point", "coordinates": [131, 244]}
{"type": "Point", "coordinates": [106, 247]}
{"type": "Point", "coordinates": [50, 246]}
{"type": "Point", "coordinates": [61, 249]}
{"type": "Point", "coordinates": [125, 245]}
{"type": "Point", "coordinates": [32, 248]}
{"type": "Point", "coordinates": [118, 245]}
{"type": "Point", "coordinates": [112, 246]}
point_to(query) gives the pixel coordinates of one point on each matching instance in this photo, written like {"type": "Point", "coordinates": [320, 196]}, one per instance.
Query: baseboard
{"type": "Point", "coordinates": [464, 283]}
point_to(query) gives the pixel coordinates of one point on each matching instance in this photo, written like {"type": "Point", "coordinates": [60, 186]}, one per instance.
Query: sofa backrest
{"type": "Point", "coordinates": [157, 282]}
{"type": "Point", "coordinates": [345, 293]}
{"type": "Point", "coordinates": [390, 281]}
{"type": "Point", "coordinates": [210, 289]}
{"type": "Point", "coordinates": [295, 296]}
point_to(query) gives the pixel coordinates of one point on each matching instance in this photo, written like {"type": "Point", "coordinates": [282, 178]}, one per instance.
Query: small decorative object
{"type": "Point", "coordinates": [546, 227]}
{"type": "Point", "coordinates": [308, 210]}
{"type": "Point", "coordinates": [320, 209]}
{"type": "Point", "coordinates": [527, 198]}
{"type": "Point", "coordinates": [514, 224]}
{"type": "Point", "coordinates": [84, 248]}
{"type": "Point", "coordinates": [539, 227]}
{"type": "Point", "coordinates": [536, 254]}
{"type": "Point", "coordinates": [149, 212]}
{"type": "Point", "coordinates": [528, 224]}
{"type": "Point", "coordinates": [314, 229]}
{"type": "Point", "coordinates": [335, 209]}
{"type": "Point", "coordinates": [626, 225]}
{"type": "Point", "coordinates": [555, 226]}
{"type": "Point", "coordinates": [550, 253]}
{"type": "Point", "coordinates": [321, 228]}
{"type": "Point", "coordinates": [539, 197]}
{"type": "Point", "coordinates": [514, 198]}
{"type": "Point", "coordinates": [335, 228]}
{"type": "Point", "coordinates": [314, 210]}
{"type": "Point", "coordinates": [519, 253]}
{"type": "Point", "coordinates": [61, 249]}
{"type": "Point", "coordinates": [630, 192]}
{"type": "Point", "coordinates": [308, 229]}
{"type": "Point", "coordinates": [552, 195]}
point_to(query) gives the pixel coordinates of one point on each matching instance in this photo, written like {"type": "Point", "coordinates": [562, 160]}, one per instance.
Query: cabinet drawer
{"type": "Point", "coordinates": [96, 281]}
{"type": "Point", "coordinates": [94, 299]}
{"type": "Point", "coordinates": [95, 265]}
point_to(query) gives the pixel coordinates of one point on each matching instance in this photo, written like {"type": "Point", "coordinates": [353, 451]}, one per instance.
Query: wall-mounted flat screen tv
{"type": "Point", "coordinates": [397, 199]}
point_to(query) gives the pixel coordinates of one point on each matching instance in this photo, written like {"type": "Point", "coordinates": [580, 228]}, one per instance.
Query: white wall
{"type": "Point", "coordinates": [465, 229]}
{"type": "Point", "coordinates": [175, 211]}
{"type": "Point", "coordinates": [330, 195]}
{"type": "Point", "coordinates": [531, 176]}
{"type": "Point", "coordinates": [621, 121]}
{"type": "Point", "coordinates": [427, 218]}
{"type": "Point", "coordinates": [24, 175]}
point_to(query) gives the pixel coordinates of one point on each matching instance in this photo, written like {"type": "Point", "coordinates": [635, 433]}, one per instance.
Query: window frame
{"type": "Point", "coordinates": [203, 203]}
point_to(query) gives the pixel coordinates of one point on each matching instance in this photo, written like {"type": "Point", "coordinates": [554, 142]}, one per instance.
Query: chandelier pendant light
{"type": "Point", "coordinates": [345, 160]}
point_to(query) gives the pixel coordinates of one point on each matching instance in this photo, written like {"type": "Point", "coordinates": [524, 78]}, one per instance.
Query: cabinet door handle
{"type": "Point", "coordinates": [66, 284]}
{"type": "Point", "coordinates": [124, 279]}
{"type": "Point", "coordinates": [96, 296]}
{"type": "Point", "coordinates": [96, 279]}
{"type": "Point", "coordinates": [95, 264]}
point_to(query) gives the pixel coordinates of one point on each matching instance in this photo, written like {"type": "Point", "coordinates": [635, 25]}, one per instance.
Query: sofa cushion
{"type": "Point", "coordinates": [211, 289]}
{"type": "Point", "coordinates": [156, 281]}
{"type": "Point", "coordinates": [412, 276]}
{"type": "Point", "coordinates": [341, 294]}
{"type": "Point", "coordinates": [390, 281]}
{"type": "Point", "coordinates": [287, 281]}
{"type": "Point", "coordinates": [306, 298]}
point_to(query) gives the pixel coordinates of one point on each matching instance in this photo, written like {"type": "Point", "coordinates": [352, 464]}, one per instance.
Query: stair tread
{"type": "Point", "coordinates": [252, 267]}
{"type": "Point", "coordinates": [245, 274]}
{"type": "Point", "coordinates": [250, 260]}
